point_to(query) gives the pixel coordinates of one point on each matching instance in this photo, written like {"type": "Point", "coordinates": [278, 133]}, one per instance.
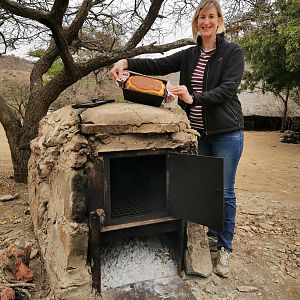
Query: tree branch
{"type": "Point", "coordinates": [59, 35]}
{"type": "Point", "coordinates": [146, 24]}
{"type": "Point", "coordinates": [7, 115]}
{"type": "Point", "coordinates": [79, 20]}
{"type": "Point", "coordinates": [58, 10]}
{"type": "Point", "coordinates": [5, 44]}
{"type": "Point", "coordinates": [25, 12]}
{"type": "Point", "coordinates": [110, 58]}
{"type": "Point", "coordinates": [45, 62]}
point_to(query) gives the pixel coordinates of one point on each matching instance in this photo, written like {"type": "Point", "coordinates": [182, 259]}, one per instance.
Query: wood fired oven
{"type": "Point", "coordinates": [114, 171]}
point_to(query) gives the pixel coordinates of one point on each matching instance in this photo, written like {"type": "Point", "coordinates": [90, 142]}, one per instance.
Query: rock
{"type": "Point", "coordinates": [6, 293]}
{"type": "Point", "coordinates": [211, 289]}
{"type": "Point", "coordinates": [216, 280]}
{"type": "Point", "coordinates": [281, 250]}
{"type": "Point", "coordinates": [266, 226]}
{"type": "Point", "coordinates": [197, 255]}
{"type": "Point", "coordinates": [73, 225]}
{"type": "Point", "coordinates": [259, 220]}
{"type": "Point", "coordinates": [254, 228]}
{"type": "Point", "coordinates": [247, 289]}
{"type": "Point", "coordinates": [15, 263]}
{"type": "Point", "coordinates": [245, 227]}
{"type": "Point", "coordinates": [23, 273]}
{"type": "Point", "coordinates": [34, 253]}
{"type": "Point", "coordinates": [9, 197]}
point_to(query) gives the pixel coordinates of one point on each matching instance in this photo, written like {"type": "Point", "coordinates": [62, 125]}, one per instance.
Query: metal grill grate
{"type": "Point", "coordinates": [128, 208]}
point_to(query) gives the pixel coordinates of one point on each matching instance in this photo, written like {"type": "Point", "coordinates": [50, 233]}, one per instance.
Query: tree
{"type": "Point", "coordinates": [61, 26]}
{"type": "Point", "coordinates": [114, 29]}
{"type": "Point", "coordinates": [272, 48]}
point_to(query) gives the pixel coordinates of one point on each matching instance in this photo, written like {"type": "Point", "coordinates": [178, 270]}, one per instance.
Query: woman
{"type": "Point", "coordinates": [210, 74]}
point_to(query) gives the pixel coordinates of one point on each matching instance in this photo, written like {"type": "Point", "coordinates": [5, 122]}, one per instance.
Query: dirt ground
{"type": "Point", "coordinates": [266, 258]}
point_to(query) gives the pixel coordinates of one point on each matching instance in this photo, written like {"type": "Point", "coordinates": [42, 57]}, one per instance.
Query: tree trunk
{"type": "Point", "coordinates": [20, 158]}
{"type": "Point", "coordinates": [19, 137]}
{"type": "Point", "coordinates": [19, 151]}
{"type": "Point", "coordinates": [285, 101]}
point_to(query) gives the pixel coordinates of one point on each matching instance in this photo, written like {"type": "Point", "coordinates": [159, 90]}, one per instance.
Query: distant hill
{"type": "Point", "coordinates": [11, 62]}
{"type": "Point", "coordinates": [14, 69]}
{"type": "Point", "coordinates": [15, 75]}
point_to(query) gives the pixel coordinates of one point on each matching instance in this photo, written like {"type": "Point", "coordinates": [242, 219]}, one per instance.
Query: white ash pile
{"type": "Point", "coordinates": [133, 260]}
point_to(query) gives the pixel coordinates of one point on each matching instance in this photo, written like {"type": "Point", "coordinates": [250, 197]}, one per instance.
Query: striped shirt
{"type": "Point", "coordinates": [195, 116]}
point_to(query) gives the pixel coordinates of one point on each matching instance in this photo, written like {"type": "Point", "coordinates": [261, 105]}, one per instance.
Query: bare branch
{"type": "Point", "coordinates": [23, 11]}
{"type": "Point", "coordinates": [110, 58]}
{"type": "Point", "coordinates": [4, 41]}
{"type": "Point", "coordinates": [79, 20]}
{"type": "Point", "coordinates": [7, 115]}
{"type": "Point", "coordinates": [146, 25]}
{"type": "Point", "coordinates": [58, 11]}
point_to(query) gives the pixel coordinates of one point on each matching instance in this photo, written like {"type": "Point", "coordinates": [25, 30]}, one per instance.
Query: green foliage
{"type": "Point", "coordinates": [289, 27]}
{"type": "Point", "coordinates": [272, 49]}
{"type": "Point", "coordinates": [56, 68]}
{"type": "Point", "coordinates": [38, 53]}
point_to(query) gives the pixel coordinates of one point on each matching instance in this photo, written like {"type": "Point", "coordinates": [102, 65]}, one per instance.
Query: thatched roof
{"type": "Point", "coordinates": [266, 105]}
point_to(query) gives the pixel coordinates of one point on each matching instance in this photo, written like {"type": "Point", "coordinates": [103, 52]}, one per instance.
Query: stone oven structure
{"type": "Point", "coordinates": [63, 166]}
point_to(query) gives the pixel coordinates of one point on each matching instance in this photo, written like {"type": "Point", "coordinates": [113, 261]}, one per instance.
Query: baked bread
{"type": "Point", "coordinates": [145, 85]}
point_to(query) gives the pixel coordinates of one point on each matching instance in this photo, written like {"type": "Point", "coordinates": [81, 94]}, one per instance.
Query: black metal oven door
{"type": "Point", "coordinates": [195, 189]}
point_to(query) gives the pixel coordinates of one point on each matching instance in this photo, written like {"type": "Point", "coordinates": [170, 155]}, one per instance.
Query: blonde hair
{"type": "Point", "coordinates": [203, 5]}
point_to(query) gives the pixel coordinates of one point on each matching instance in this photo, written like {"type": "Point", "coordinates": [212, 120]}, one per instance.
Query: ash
{"type": "Point", "coordinates": [133, 260]}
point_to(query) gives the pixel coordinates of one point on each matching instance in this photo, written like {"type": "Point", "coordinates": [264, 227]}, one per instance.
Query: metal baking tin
{"type": "Point", "coordinates": [143, 98]}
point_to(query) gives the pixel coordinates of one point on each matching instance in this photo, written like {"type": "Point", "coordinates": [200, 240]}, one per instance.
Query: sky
{"type": "Point", "coordinates": [21, 52]}
{"type": "Point", "coordinates": [186, 33]}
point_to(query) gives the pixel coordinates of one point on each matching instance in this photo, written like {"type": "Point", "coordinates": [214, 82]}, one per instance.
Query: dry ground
{"type": "Point", "coordinates": [265, 263]}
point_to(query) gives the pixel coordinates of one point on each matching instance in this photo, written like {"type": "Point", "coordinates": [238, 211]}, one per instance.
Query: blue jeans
{"type": "Point", "coordinates": [229, 146]}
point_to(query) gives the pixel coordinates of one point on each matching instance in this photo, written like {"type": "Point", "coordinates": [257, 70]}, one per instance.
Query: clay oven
{"type": "Point", "coordinates": [112, 171]}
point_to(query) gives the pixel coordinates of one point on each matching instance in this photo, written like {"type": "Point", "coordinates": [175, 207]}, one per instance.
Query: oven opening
{"type": "Point", "coordinates": [138, 187]}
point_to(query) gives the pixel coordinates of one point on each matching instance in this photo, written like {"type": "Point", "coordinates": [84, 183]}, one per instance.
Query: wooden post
{"type": "Point", "coordinates": [96, 222]}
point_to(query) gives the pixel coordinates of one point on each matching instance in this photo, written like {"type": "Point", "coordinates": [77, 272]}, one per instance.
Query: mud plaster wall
{"type": "Point", "coordinates": [68, 143]}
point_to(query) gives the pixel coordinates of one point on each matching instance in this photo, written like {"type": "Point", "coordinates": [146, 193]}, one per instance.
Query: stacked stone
{"type": "Point", "coordinates": [291, 137]}
{"type": "Point", "coordinates": [68, 142]}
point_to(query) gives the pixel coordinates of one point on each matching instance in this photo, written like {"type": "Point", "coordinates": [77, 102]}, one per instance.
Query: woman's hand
{"type": "Point", "coordinates": [182, 92]}
{"type": "Point", "coordinates": [118, 69]}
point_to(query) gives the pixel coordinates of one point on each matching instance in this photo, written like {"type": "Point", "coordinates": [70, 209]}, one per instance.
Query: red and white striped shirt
{"type": "Point", "coordinates": [195, 116]}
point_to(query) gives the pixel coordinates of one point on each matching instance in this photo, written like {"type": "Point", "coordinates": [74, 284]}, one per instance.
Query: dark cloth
{"type": "Point", "coordinates": [222, 109]}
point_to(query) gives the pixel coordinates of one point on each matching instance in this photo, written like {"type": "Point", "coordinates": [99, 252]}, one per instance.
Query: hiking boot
{"type": "Point", "coordinates": [212, 243]}
{"type": "Point", "coordinates": [222, 268]}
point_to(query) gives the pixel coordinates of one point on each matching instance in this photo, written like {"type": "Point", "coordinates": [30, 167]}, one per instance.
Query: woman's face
{"type": "Point", "coordinates": [208, 22]}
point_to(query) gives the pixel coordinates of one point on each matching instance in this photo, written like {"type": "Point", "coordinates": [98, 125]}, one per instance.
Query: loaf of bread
{"type": "Point", "coordinates": [145, 85]}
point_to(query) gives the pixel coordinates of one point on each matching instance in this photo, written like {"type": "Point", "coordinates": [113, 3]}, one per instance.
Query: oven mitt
{"type": "Point", "coordinates": [92, 103]}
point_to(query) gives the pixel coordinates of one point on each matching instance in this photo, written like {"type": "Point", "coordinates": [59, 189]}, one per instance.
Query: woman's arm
{"type": "Point", "coordinates": [156, 66]}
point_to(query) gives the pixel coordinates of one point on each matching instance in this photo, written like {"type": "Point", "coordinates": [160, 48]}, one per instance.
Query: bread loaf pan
{"type": "Point", "coordinates": [143, 98]}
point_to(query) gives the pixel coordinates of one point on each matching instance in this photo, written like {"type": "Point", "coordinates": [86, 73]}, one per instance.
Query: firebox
{"type": "Point", "coordinates": [135, 193]}
{"type": "Point", "coordinates": [135, 186]}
